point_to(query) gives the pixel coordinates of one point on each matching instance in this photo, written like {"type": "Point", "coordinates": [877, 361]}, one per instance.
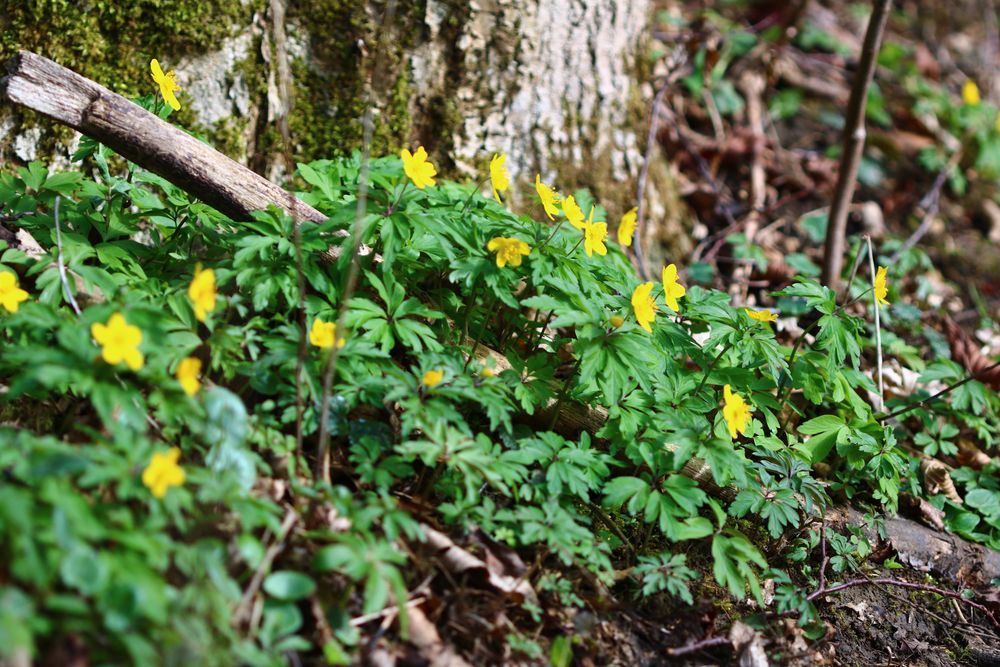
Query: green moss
{"type": "Point", "coordinates": [112, 42]}
{"type": "Point", "coordinates": [329, 96]}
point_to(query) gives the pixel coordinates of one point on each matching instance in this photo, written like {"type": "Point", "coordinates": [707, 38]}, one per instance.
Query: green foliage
{"type": "Point", "coordinates": [88, 548]}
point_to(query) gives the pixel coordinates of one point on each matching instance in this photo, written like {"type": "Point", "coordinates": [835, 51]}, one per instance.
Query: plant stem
{"type": "Point", "coordinates": [854, 144]}
{"type": "Point", "coordinates": [878, 325]}
{"type": "Point", "coordinates": [563, 393]}
{"type": "Point", "coordinates": [551, 236]}
{"type": "Point", "coordinates": [711, 366]}
{"type": "Point", "coordinates": [482, 330]}
{"type": "Point", "coordinates": [925, 401]}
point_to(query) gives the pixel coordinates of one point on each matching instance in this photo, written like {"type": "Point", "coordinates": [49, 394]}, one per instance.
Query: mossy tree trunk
{"type": "Point", "coordinates": [553, 83]}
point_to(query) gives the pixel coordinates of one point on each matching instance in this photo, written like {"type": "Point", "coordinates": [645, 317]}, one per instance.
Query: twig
{"type": "Point", "coordinates": [924, 401]}
{"type": "Point", "coordinates": [878, 325]}
{"type": "Point", "coordinates": [886, 581]}
{"type": "Point", "coordinates": [654, 124]}
{"type": "Point", "coordinates": [388, 611]}
{"type": "Point", "coordinates": [698, 646]}
{"type": "Point", "coordinates": [62, 265]}
{"type": "Point", "coordinates": [854, 143]}
{"type": "Point", "coordinates": [930, 203]}
{"type": "Point", "coordinates": [246, 604]}
{"type": "Point", "coordinates": [826, 560]}
{"type": "Point", "coordinates": [355, 266]}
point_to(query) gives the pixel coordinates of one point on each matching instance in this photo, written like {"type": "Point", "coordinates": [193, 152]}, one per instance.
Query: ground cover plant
{"type": "Point", "coordinates": [222, 446]}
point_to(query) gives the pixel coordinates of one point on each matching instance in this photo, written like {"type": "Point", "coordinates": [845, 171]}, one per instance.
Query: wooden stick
{"type": "Point", "coordinates": [142, 137]}
{"type": "Point", "coordinates": [854, 145]}
{"type": "Point", "coordinates": [149, 141]}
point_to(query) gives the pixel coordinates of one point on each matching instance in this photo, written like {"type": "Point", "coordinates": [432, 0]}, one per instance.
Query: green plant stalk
{"type": "Point", "coordinates": [711, 366]}
{"type": "Point", "coordinates": [878, 326]}
{"type": "Point", "coordinates": [564, 393]}
{"type": "Point", "coordinates": [482, 330]}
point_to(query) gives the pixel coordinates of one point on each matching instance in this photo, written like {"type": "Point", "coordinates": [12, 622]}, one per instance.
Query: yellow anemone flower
{"type": "Point", "coordinates": [736, 412]}
{"type": "Point", "coordinates": [323, 334]}
{"type": "Point", "coordinates": [672, 290]}
{"type": "Point", "coordinates": [163, 472]}
{"type": "Point", "coordinates": [202, 292]}
{"type": "Point", "coordinates": [644, 305]}
{"type": "Point", "coordinates": [418, 168]}
{"type": "Point", "coordinates": [549, 197]}
{"type": "Point", "coordinates": [119, 342]}
{"type": "Point", "coordinates": [573, 212]}
{"type": "Point", "coordinates": [11, 295]}
{"type": "Point", "coordinates": [187, 374]}
{"type": "Point", "coordinates": [617, 321]}
{"type": "Point", "coordinates": [594, 234]}
{"type": "Point", "coordinates": [499, 178]}
{"type": "Point", "coordinates": [508, 250]}
{"type": "Point", "coordinates": [970, 93]}
{"type": "Point", "coordinates": [486, 372]}
{"type": "Point", "coordinates": [626, 227]}
{"type": "Point", "coordinates": [433, 378]}
{"type": "Point", "coordinates": [761, 315]}
{"type": "Point", "coordinates": [881, 290]}
{"type": "Point", "coordinates": [167, 82]}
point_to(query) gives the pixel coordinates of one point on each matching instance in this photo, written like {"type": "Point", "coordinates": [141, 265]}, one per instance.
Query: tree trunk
{"type": "Point", "coordinates": [555, 84]}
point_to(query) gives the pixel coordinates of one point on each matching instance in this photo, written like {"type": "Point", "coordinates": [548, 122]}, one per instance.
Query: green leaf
{"type": "Point", "coordinates": [289, 585]}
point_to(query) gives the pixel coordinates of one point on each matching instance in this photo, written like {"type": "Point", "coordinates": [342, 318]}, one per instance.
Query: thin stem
{"type": "Point", "coordinates": [355, 266]}
{"type": "Point", "coordinates": [878, 326]}
{"type": "Point", "coordinates": [698, 646]}
{"type": "Point", "coordinates": [711, 366]}
{"type": "Point", "coordinates": [925, 401]}
{"type": "Point", "coordinates": [482, 330]}
{"type": "Point", "coordinates": [563, 393]}
{"type": "Point", "coordinates": [886, 581]}
{"type": "Point", "coordinates": [854, 144]}
{"type": "Point", "coordinates": [61, 264]}
{"type": "Point", "coordinates": [472, 194]}
{"type": "Point", "coordinates": [392, 207]}
{"type": "Point", "coordinates": [551, 236]}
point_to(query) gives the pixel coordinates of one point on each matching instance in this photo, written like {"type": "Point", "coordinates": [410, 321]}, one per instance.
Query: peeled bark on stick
{"type": "Point", "coordinates": [144, 138]}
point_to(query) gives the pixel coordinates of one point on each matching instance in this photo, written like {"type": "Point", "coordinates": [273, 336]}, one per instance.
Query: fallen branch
{"type": "Point", "coordinates": [149, 141]}
{"type": "Point", "coordinates": [854, 144]}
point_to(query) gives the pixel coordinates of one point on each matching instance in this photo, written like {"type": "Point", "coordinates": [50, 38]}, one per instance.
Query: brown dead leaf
{"type": "Point", "coordinates": [937, 479]}
{"type": "Point", "coordinates": [459, 561]}
{"type": "Point", "coordinates": [425, 637]}
{"type": "Point", "coordinates": [970, 455]}
{"type": "Point", "coordinates": [749, 644]}
{"type": "Point", "coordinates": [927, 513]}
{"type": "Point", "coordinates": [966, 352]}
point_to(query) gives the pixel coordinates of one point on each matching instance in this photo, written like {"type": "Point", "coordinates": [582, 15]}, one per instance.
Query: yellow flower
{"type": "Point", "coordinates": [416, 166]}
{"type": "Point", "coordinates": [644, 305]}
{"type": "Point", "coordinates": [672, 290]}
{"type": "Point", "coordinates": [996, 123]}
{"type": "Point", "coordinates": [323, 334]}
{"type": "Point", "coordinates": [119, 341]}
{"type": "Point", "coordinates": [487, 372]}
{"type": "Point", "coordinates": [594, 234]}
{"type": "Point", "coordinates": [202, 292]}
{"type": "Point", "coordinates": [499, 178]}
{"type": "Point", "coordinates": [880, 288]}
{"type": "Point", "coordinates": [573, 212]}
{"type": "Point", "coordinates": [433, 378]}
{"type": "Point", "coordinates": [163, 472]}
{"type": "Point", "coordinates": [736, 412]}
{"type": "Point", "coordinates": [549, 197]}
{"type": "Point", "coordinates": [167, 83]}
{"type": "Point", "coordinates": [187, 374]}
{"type": "Point", "coordinates": [761, 315]}
{"type": "Point", "coordinates": [617, 321]}
{"type": "Point", "coordinates": [970, 92]}
{"type": "Point", "coordinates": [11, 295]}
{"type": "Point", "coordinates": [508, 250]}
{"type": "Point", "coordinates": [626, 228]}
